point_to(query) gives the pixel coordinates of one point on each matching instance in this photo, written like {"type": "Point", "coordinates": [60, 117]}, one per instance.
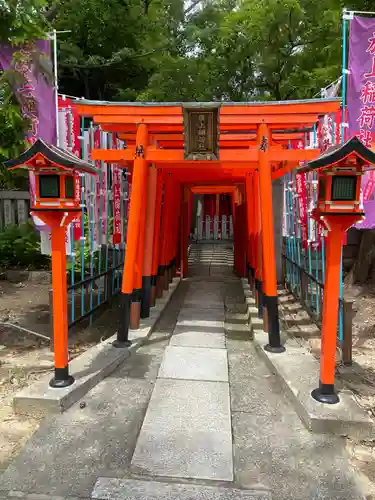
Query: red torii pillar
{"type": "Point", "coordinates": [257, 246]}
{"type": "Point", "coordinates": [184, 232]}
{"type": "Point", "coordinates": [156, 241]}
{"type": "Point", "coordinates": [149, 240]}
{"type": "Point", "coordinates": [269, 285]}
{"type": "Point", "coordinates": [135, 308]}
{"type": "Point", "coordinates": [136, 205]}
{"type": "Point", "coordinates": [250, 225]}
{"type": "Point", "coordinates": [175, 233]}
{"type": "Point", "coordinates": [162, 282]}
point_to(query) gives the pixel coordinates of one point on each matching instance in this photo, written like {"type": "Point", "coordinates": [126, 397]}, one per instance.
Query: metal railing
{"type": "Point", "coordinates": [309, 291]}
{"type": "Point", "coordinates": [214, 229]}
{"type": "Point", "coordinates": [86, 297]}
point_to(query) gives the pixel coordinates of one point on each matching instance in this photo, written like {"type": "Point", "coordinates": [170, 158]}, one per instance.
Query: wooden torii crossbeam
{"type": "Point", "coordinates": [248, 148]}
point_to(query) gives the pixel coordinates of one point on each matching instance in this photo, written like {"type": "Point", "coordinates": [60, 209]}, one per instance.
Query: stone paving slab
{"type": "Point", "coordinates": [272, 445]}
{"type": "Point", "coordinates": [208, 325]}
{"type": "Point", "coordinates": [298, 372]}
{"type": "Point", "coordinates": [295, 463]}
{"type": "Point", "coordinates": [203, 313]}
{"type": "Point", "coordinates": [88, 369]}
{"type": "Point", "coordinates": [69, 451]}
{"type": "Point", "coordinates": [194, 363]}
{"type": "Point", "coordinates": [186, 431]}
{"type": "Point", "coordinates": [197, 304]}
{"type": "Point", "coordinates": [193, 337]}
{"type": "Point", "coordinates": [130, 489]}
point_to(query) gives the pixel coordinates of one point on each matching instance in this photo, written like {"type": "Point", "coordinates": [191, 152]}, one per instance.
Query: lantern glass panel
{"type": "Point", "coordinates": [344, 187]}
{"type": "Point", "coordinates": [69, 187]}
{"type": "Point", "coordinates": [49, 186]}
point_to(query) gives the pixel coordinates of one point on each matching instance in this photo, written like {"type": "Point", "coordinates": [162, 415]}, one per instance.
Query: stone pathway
{"type": "Point", "coordinates": [187, 429]}
{"type": "Point", "coordinates": [193, 414]}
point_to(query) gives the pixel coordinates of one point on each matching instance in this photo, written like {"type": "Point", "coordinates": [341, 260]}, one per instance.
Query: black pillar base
{"type": "Point", "coordinates": [145, 302]}
{"type": "Point", "coordinates": [61, 378]}
{"type": "Point", "coordinates": [274, 341]}
{"type": "Point", "coordinates": [325, 393]}
{"type": "Point", "coordinates": [121, 344]}
{"type": "Point", "coordinates": [123, 331]}
{"type": "Point", "coordinates": [276, 349]}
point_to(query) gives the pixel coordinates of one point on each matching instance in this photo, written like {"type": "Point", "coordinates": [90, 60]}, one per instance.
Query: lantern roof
{"type": "Point", "coordinates": [57, 156]}
{"type": "Point", "coordinates": [339, 152]}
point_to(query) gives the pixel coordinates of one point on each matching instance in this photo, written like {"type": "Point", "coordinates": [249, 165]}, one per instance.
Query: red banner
{"type": "Point", "coordinates": [116, 206]}
{"type": "Point", "coordinates": [302, 205]}
{"type": "Point", "coordinates": [116, 190]}
{"type": "Point", "coordinates": [69, 128]}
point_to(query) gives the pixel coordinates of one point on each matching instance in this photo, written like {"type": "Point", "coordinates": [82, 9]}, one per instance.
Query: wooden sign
{"type": "Point", "coordinates": [201, 133]}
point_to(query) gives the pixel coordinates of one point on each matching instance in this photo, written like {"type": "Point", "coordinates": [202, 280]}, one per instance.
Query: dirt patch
{"type": "Point", "coordinates": [25, 358]}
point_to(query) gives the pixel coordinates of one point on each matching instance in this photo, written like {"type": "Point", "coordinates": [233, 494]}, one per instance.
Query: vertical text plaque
{"type": "Point", "coordinates": [201, 133]}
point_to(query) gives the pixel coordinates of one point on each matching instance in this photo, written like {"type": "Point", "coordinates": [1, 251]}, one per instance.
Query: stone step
{"type": "Point", "coordinates": [238, 328]}
{"type": "Point", "coordinates": [135, 489]}
{"type": "Point", "coordinates": [237, 317]}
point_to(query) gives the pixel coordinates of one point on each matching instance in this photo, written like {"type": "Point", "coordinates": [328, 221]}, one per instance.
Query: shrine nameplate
{"type": "Point", "coordinates": [201, 133]}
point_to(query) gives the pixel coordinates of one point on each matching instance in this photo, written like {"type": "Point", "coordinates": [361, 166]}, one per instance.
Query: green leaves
{"type": "Point", "coordinates": [254, 49]}
{"type": "Point", "coordinates": [110, 50]}
{"type": "Point", "coordinates": [22, 20]}
{"type": "Point", "coordinates": [20, 247]}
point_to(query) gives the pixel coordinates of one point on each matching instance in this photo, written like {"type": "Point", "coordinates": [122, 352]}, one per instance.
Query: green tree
{"type": "Point", "coordinates": [22, 20]}
{"type": "Point", "coordinates": [255, 49]}
{"type": "Point", "coordinates": [108, 54]}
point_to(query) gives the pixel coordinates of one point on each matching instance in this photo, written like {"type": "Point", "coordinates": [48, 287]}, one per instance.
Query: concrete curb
{"type": "Point", "coordinates": [298, 372]}
{"type": "Point", "coordinates": [88, 369]}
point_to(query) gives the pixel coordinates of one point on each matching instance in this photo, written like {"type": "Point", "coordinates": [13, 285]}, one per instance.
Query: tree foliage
{"type": "Point", "coordinates": [22, 20]}
{"type": "Point", "coordinates": [108, 53]}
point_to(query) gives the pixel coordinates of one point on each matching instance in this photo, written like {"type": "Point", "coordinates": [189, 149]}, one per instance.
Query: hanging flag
{"type": "Point", "coordinates": [103, 166]}
{"type": "Point", "coordinates": [116, 190]}
{"type": "Point", "coordinates": [302, 206]}
{"type": "Point", "coordinates": [33, 86]}
{"type": "Point", "coordinates": [361, 81]}
{"type": "Point", "coordinates": [69, 126]}
{"type": "Point", "coordinates": [329, 128]}
{"type": "Point", "coordinates": [361, 101]}
{"type": "Point", "coordinates": [96, 201]}
{"type": "Point", "coordinates": [32, 82]}
{"type": "Point", "coordinates": [69, 132]}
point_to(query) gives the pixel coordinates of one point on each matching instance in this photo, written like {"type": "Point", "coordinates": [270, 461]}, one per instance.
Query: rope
{"type": "Point", "coordinates": [12, 325]}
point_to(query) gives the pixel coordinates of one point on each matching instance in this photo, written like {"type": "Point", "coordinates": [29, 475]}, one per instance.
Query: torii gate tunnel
{"type": "Point", "coordinates": [177, 150]}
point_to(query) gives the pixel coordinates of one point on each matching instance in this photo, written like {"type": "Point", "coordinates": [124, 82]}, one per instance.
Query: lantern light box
{"type": "Point", "coordinates": [339, 172]}
{"type": "Point", "coordinates": [56, 174]}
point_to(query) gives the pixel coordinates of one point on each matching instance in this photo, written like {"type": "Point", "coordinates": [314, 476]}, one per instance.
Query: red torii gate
{"type": "Point", "coordinates": [250, 151]}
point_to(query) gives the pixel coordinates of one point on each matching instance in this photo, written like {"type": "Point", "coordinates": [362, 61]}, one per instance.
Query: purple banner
{"type": "Point", "coordinates": [361, 81]}
{"type": "Point", "coordinates": [33, 87]}
{"type": "Point", "coordinates": [35, 90]}
{"type": "Point", "coordinates": [361, 101]}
